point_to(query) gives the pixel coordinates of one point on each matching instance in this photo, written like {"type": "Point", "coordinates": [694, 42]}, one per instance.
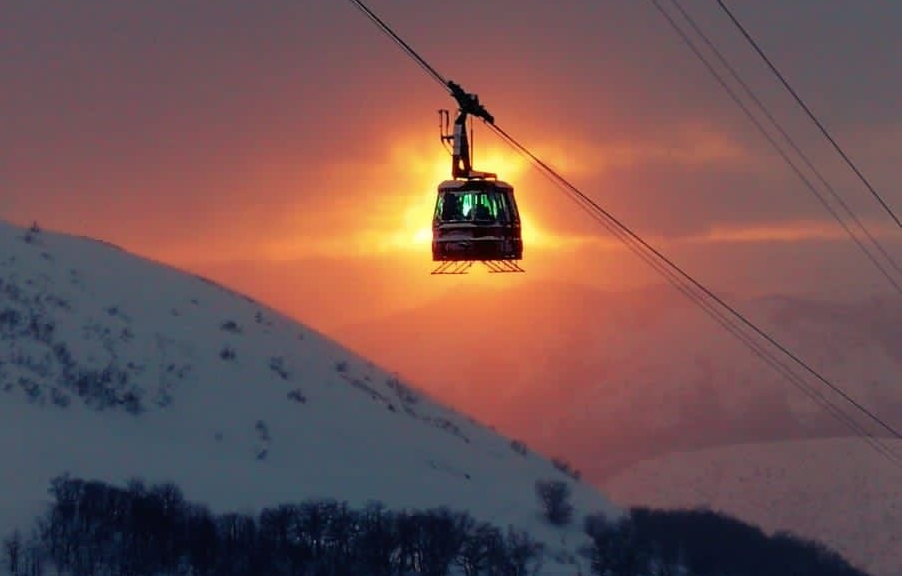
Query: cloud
{"type": "Point", "coordinates": [690, 144]}
{"type": "Point", "coordinates": [794, 232]}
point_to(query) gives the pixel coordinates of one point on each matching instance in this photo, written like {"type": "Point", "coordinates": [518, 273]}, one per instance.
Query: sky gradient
{"type": "Point", "coordinates": [290, 149]}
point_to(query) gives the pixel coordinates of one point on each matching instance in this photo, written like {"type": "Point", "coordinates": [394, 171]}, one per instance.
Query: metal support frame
{"type": "Point", "coordinates": [461, 167]}
{"type": "Point", "coordinates": [463, 266]}
{"type": "Point", "coordinates": [453, 267]}
{"type": "Point", "coordinates": [501, 266]}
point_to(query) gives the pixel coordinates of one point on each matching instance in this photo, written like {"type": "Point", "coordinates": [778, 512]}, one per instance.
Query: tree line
{"type": "Point", "coordinates": [702, 542]}
{"type": "Point", "coordinates": [95, 529]}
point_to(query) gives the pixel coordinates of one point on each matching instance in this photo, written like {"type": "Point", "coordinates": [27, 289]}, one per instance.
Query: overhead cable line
{"type": "Point", "coordinates": [809, 112]}
{"type": "Point", "coordinates": [683, 275]}
{"type": "Point", "coordinates": [729, 324]}
{"type": "Point", "coordinates": [404, 46]}
{"type": "Point", "coordinates": [626, 232]}
{"type": "Point", "coordinates": [895, 282]}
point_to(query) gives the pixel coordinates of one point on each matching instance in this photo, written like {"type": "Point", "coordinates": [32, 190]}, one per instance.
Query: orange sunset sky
{"type": "Point", "coordinates": [291, 150]}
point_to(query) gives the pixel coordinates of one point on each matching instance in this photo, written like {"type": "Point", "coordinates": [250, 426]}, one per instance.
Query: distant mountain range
{"type": "Point", "coordinates": [836, 490]}
{"type": "Point", "coordinates": [608, 379]}
{"type": "Point", "coordinates": [659, 406]}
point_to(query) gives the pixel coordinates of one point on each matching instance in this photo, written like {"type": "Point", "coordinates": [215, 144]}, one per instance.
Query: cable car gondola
{"type": "Point", "coordinates": [476, 217]}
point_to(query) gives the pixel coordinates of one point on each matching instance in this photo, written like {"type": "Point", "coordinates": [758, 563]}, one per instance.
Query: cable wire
{"type": "Point", "coordinates": [886, 273]}
{"type": "Point", "coordinates": [692, 281]}
{"type": "Point", "coordinates": [724, 321]}
{"type": "Point", "coordinates": [809, 112]}
{"type": "Point", "coordinates": [404, 46]}
{"type": "Point", "coordinates": [623, 232]}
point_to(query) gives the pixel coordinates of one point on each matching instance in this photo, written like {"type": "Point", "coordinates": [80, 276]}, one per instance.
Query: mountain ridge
{"type": "Point", "coordinates": [794, 485]}
{"type": "Point", "coordinates": [116, 367]}
{"type": "Point", "coordinates": [596, 375]}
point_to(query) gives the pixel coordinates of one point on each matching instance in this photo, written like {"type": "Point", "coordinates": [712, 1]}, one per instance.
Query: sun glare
{"type": "Point", "coordinates": [413, 233]}
{"type": "Point", "coordinates": [401, 221]}
{"type": "Point", "coordinates": [425, 171]}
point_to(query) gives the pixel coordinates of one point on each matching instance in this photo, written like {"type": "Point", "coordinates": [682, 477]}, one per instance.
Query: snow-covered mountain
{"type": "Point", "coordinates": [114, 367]}
{"type": "Point", "coordinates": [615, 378]}
{"type": "Point", "coordinates": [838, 491]}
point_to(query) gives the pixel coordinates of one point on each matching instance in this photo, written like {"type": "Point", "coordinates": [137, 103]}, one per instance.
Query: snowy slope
{"type": "Point", "coordinates": [838, 491]}
{"type": "Point", "coordinates": [112, 367]}
{"type": "Point", "coordinates": [632, 375]}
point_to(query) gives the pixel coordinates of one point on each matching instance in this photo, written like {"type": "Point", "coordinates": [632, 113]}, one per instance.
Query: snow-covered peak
{"type": "Point", "coordinates": [113, 367]}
